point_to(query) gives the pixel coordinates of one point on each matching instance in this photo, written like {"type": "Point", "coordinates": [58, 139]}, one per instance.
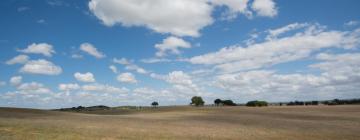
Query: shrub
{"type": "Point", "coordinates": [256, 103]}
{"type": "Point", "coordinates": [228, 103]}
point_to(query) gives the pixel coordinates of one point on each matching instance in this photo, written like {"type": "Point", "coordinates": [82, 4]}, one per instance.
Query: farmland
{"type": "Point", "coordinates": [185, 122]}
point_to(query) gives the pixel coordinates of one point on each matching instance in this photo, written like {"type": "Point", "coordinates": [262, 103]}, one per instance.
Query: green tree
{"type": "Point", "coordinates": [154, 104]}
{"type": "Point", "coordinates": [197, 101]}
{"type": "Point", "coordinates": [217, 102]}
{"type": "Point", "coordinates": [228, 103]}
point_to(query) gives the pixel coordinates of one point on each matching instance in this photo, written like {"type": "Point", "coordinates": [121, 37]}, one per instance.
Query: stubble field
{"type": "Point", "coordinates": [184, 122]}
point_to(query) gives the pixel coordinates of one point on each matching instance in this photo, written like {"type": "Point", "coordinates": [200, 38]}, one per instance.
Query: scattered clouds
{"type": "Point", "coordinates": [91, 50]}
{"type": "Point", "coordinates": [15, 80]}
{"type": "Point", "coordinates": [155, 60]}
{"type": "Point", "coordinates": [104, 89]}
{"type": "Point", "coordinates": [33, 88]}
{"type": "Point", "coordinates": [20, 59]}
{"type": "Point", "coordinates": [41, 66]}
{"type": "Point", "coordinates": [126, 78]}
{"type": "Point", "coordinates": [130, 66]}
{"type": "Point", "coordinates": [68, 87]}
{"type": "Point", "coordinates": [265, 8]}
{"type": "Point", "coordinates": [84, 77]}
{"type": "Point", "coordinates": [41, 48]}
{"type": "Point", "coordinates": [171, 45]}
{"type": "Point", "coordinates": [339, 77]}
{"type": "Point", "coordinates": [113, 69]}
{"type": "Point", "coordinates": [278, 50]}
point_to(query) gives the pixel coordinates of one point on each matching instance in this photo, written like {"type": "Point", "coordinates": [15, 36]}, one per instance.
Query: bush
{"type": "Point", "coordinates": [256, 103]}
{"type": "Point", "coordinates": [228, 103]}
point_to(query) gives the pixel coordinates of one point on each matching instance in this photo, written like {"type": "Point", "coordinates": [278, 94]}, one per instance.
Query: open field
{"type": "Point", "coordinates": [245, 123]}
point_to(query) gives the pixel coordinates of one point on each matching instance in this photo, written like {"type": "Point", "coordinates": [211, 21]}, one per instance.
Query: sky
{"type": "Point", "coordinates": [64, 53]}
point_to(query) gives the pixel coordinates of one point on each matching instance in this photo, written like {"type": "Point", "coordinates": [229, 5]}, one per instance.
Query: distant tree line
{"type": "Point", "coordinates": [327, 102]}
{"type": "Point", "coordinates": [257, 103]}
{"type": "Point", "coordinates": [219, 102]}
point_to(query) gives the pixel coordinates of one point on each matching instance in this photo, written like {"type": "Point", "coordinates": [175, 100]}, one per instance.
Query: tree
{"type": "Point", "coordinates": [228, 103]}
{"type": "Point", "coordinates": [197, 101]}
{"type": "Point", "coordinates": [217, 102]}
{"type": "Point", "coordinates": [154, 104]}
{"type": "Point", "coordinates": [256, 103]}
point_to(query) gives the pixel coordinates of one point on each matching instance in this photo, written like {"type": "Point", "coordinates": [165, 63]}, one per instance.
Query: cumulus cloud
{"type": "Point", "coordinates": [20, 59]}
{"type": "Point", "coordinates": [265, 8]}
{"type": "Point", "coordinates": [172, 45]}
{"type": "Point", "coordinates": [155, 60]}
{"type": "Point", "coordinates": [91, 50]}
{"type": "Point", "coordinates": [15, 80]}
{"type": "Point", "coordinates": [126, 78]}
{"type": "Point", "coordinates": [150, 13]}
{"type": "Point", "coordinates": [68, 87]}
{"type": "Point", "coordinates": [130, 66]}
{"type": "Point", "coordinates": [104, 89]}
{"type": "Point", "coordinates": [180, 81]}
{"type": "Point", "coordinates": [84, 77]}
{"type": "Point", "coordinates": [41, 48]}
{"type": "Point", "coordinates": [33, 88]}
{"type": "Point", "coordinates": [278, 50]}
{"type": "Point", "coordinates": [113, 69]}
{"type": "Point", "coordinates": [41, 66]}
{"type": "Point", "coordinates": [196, 13]}
{"type": "Point", "coordinates": [339, 77]}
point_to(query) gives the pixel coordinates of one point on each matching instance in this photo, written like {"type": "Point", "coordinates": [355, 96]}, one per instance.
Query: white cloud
{"type": "Point", "coordinates": [155, 60]}
{"type": "Point", "coordinates": [130, 66]}
{"type": "Point", "coordinates": [33, 88]}
{"type": "Point", "coordinates": [113, 69]}
{"type": "Point", "coordinates": [41, 48]}
{"type": "Point", "coordinates": [20, 59]}
{"type": "Point", "coordinates": [265, 8]}
{"type": "Point", "coordinates": [41, 66]}
{"type": "Point", "coordinates": [104, 89]}
{"type": "Point", "coordinates": [90, 49]}
{"type": "Point", "coordinates": [76, 56]}
{"type": "Point", "coordinates": [235, 7]}
{"type": "Point", "coordinates": [172, 45]}
{"type": "Point", "coordinates": [278, 50]}
{"type": "Point", "coordinates": [122, 61]}
{"type": "Point", "coordinates": [15, 80]}
{"type": "Point", "coordinates": [273, 33]}
{"type": "Point", "coordinates": [352, 23]}
{"type": "Point", "coordinates": [84, 77]}
{"type": "Point", "coordinates": [180, 81]}
{"type": "Point", "coordinates": [150, 13]}
{"type": "Point", "coordinates": [339, 77]}
{"type": "Point", "coordinates": [197, 14]}
{"type": "Point", "coordinates": [126, 78]}
{"type": "Point", "coordinates": [68, 87]}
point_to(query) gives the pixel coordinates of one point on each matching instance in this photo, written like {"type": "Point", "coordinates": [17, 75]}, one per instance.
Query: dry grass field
{"type": "Point", "coordinates": [183, 123]}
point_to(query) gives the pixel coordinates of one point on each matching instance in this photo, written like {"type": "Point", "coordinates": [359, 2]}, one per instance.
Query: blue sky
{"type": "Point", "coordinates": [58, 53]}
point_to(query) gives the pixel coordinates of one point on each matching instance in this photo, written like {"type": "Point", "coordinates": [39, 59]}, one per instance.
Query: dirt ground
{"type": "Point", "coordinates": [183, 123]}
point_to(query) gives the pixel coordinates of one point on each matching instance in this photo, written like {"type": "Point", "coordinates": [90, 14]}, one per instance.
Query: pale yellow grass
{"type": "Point", "coordinates": [245, 123]}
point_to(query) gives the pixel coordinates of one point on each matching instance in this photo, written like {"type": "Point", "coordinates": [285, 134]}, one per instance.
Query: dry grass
{"type": "Point", "coordinates": [315, 122]}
